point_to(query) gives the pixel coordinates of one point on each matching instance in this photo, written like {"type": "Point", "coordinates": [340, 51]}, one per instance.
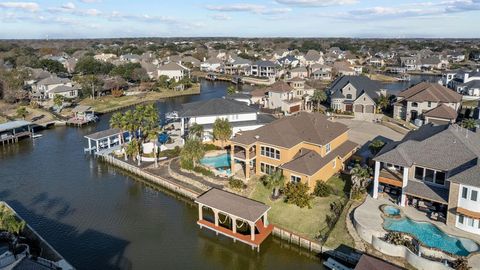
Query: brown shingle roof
{"type": "Point", "coordinates": [430, 92]}
{"type": "Point", "coordinates": [443, 111]}
{"type": "Point", "coordinates": [234, 204]}
{"type": "Point", "coordinates": [279, 87]}
{"type": "Point", "coordinates": [309, 162]}
{"type": "Point", "coordinates": [313, 128]}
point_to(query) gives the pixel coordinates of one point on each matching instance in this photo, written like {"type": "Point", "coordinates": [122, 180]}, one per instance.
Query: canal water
{"type": "Point", "coordinates": [100, 218]}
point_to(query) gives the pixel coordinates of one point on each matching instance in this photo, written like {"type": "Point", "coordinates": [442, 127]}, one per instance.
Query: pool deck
{"type": "Point", "coordinates": [369, 215]}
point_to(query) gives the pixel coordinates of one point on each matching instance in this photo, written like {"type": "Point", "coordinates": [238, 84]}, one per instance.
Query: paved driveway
{"type": "Point", "coordinates": [362, 132]}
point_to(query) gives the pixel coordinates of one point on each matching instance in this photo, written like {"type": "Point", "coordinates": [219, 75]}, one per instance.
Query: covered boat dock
{"type": "Point", "coordinates": [11, 131]}
{"type": "Point", "coordinates": [234, 216]}
{"type": "Point", "coordinates": [103, 139]}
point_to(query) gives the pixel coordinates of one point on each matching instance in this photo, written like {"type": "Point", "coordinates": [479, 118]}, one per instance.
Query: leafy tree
{"type": "Point", "coordinates": [163, 82]}
{"type": "Point", "coordinates": [196, 131]}
{"type": "Point", "coordinates": [274, 181]}
{"type": "Point", "coordinates": [383, 102]}
{"type": "Point", "coordinates": [318, 97]}
{"type": "Point", "coordinates": [51, 65]}
{"type": "Point", "coordinates": [231, 90]}
{"type": "Point", "coordinates": [12, 82]}
{"type": "Point", "coordinates": [58, 100]}
{"type": "Point", "coordinates": [91, 84]}
{"type": "Point", "coordinates": [375, 146]}
{"type": "Point", "coordinates": [130, 71]}
{"type": "Point", "coordinates": [298, 194]}
{"type": "Point", "coordinates": [322, 189]}
{"type": "Point", "coordinates": [22, 112]}
{"type": "Point", "coordinates": [469, 123]}
{"type": "Point", "coordinates": [222, 130]}
{"type": "Point", "coordinates": [89, 66]}
{"type": "Point", "coordinates": [192, 152]}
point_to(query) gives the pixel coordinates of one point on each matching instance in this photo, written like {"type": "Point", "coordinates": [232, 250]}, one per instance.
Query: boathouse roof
{"type": "Point", "coordinates": [233, 204]}
{"type": "Point", "coordinates": [104, 134]}
{"type": "Point", "coordinates": [14, 124]}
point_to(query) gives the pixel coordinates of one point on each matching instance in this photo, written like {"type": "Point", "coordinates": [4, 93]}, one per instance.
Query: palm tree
{"type": "Point", "coordinates": [318, 97]}
{"type": "Point", "coordinates": [360, 175]}
{"type": "Point", "coordinates": [375, 146]}
{"type": "Point", "coordinates": [469, 123]}
{"type": "Point", "coordinates": [383, 102]}
{"type": "Point", "coordinates": [192, 151]}
{"type": "Point", "coordinates": [196, 130]}
{"type": "Point", "coordinates": [274, 181]}
{"type": "Point", "coordinates": [222, 130]}
{"type": "Point", "coordinates": [231, 90]}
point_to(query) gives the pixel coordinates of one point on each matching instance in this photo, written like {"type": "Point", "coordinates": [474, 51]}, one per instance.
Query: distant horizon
{"type": "Point", "coordinates": [105, 19]}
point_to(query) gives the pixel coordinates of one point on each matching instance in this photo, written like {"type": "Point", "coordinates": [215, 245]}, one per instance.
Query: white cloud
{"type": "Point", "coordinates": [316, 3]}
{"type": "Point", "coordinates": [28, 6]}
{"type": "Point", "coordinates": [221, 17]}
{"type": "Point", "coordinates": [69, 6]}
{"type": "Point", "coordinates": [252, 8]}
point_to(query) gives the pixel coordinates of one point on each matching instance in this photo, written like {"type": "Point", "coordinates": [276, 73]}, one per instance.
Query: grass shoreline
{"type": "Point", "coordinates": [108, 104]}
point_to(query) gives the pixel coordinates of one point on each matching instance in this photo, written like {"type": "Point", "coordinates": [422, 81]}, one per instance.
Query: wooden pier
{"type": "Point", "coordinates": [11, 132]}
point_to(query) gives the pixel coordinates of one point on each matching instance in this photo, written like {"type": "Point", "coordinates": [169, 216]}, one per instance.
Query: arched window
{"type": "Point", "coordinates": [414, 104]}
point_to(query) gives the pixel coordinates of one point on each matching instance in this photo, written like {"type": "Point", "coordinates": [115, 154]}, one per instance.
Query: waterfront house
{"type": "Point", "coordinates": [428, 102]}
{"type": "Point", "coordinates": [212, 64]}
{"type": "Point", "coordinates": [173, 71]}
{"type": "Point", "coordinates": [307, 147]}
{"type": "Point", "coordinates": [355, 94]}
{"type": "Point", "coordinates": [48, 87]}
{"type": "Point", "coordinates": [263, 69]}
{"type": "Point", "coordinates": [411, 63]}
{"type": "Point", "coordinates": [434, 169]}
{"type": "Point", "coordinates": [65, 91]}
{"type": "Point", "coordinates": [240, 115]}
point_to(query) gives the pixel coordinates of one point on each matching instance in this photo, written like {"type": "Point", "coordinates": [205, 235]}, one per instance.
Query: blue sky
{"type": "Point", "coordinates": [270, 18]}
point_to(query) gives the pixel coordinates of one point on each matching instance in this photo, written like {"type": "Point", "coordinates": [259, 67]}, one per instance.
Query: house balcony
{"type": "Point", "coordinates": [391, 177]}
{"type": "Point", "coordinates": [240, 154]}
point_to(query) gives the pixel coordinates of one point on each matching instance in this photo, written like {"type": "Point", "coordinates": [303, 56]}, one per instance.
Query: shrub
{"type": "Point", "coordinates": [170, 153]}
{"type": "Point", "coordinates": [461, 264]}
{"type": "Point", "coordinates": [203, 171]}
{"type": "Point", "coordinates": [236, 183]}
{"type": "Point", "coordinates": [297, 193]}
{"type": "Point", "coordinates": [211, 147]}
{"type": "Point", "coordinates": [322, 189]}
{"type": "Point", "coordinates": [186, 164]}
{"type": "Point", "coordinates": [117, 92]}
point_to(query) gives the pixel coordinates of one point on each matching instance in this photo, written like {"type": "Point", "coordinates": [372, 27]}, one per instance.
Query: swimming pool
{"type": "Point", "coordinates": [391, 210]}
{"type": "Point", "coordinates": [220, 162]}
{"type": "Point", "coordinates": [431, 236]}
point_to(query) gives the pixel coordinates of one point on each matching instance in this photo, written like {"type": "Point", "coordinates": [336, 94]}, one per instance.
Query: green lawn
{"type": "Point", "coordinates": [304, 221]}
{"type": "Point", "coordinates": [339, 235]}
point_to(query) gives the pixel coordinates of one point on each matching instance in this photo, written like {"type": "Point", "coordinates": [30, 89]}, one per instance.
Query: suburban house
{"type": "Point", "coordinates": [434, 169]}
{"type": "Point", "coordinates": [105, 57]}
{"type": "Point", "coordinates": [355, 94]}
{"type": "Point", "coordinates": [344, 68]}
{"type": "Point", "coordinates": [430, 102]}
{"type": "Point", "coordinates": [313, 57]}
{"type": "Point", "coordinates": [264, 69]}
{"type": "Point", "coordinates": [321, 72]}
{"type": "Point", "coordinates": [288, 61]}
{"type": "Point", "coordinates": [299, 72]}
{"type": "Point", "coordinates": [212, 64]}
{"type": "Point", "coordinates": [240, 115]}
{"type": "Point", "coordinates": [410, 62]}
{"type": "Point", "coordinates": [173, 71]}
{"type": "Point", "coordinates": [464, 82]}
{"type": "Point", "coordinates": [131, 58]}
{"type": "Point", "coordinates": [51, 86]}
{"type": "Point", "coordinates": [286, 96]}
{"type": "Point", "coordinates": [307, 147]}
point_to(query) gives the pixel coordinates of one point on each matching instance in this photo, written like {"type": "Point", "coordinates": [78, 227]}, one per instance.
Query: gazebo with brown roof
{"type": "Point", "coordinates": [238, 209]}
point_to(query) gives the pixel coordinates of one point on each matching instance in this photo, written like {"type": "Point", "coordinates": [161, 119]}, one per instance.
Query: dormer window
{"type": "Point", "coordinates": [349, 96]}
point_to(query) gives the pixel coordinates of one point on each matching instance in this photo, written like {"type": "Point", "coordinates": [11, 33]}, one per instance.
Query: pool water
{"type": "Point", "coordinates": [431, 236]}
{"type": "Point", "coordinates": [220, 162]}
{"type": "Point", "coordinates": [391, 210]}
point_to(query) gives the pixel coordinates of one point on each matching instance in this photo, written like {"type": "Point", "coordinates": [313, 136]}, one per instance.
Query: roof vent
{"type": "Point", "coordinates": [257, 137]}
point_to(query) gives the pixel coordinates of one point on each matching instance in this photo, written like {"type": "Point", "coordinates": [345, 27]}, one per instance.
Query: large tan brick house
{"type": "Point", "coordinates": [307, 147]}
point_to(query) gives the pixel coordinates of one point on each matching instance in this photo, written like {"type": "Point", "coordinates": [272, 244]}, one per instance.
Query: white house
{"type": "Point", "coordinates": [213, 64]}
{"type": "Point", "coordinates": [173, 71]}
{"type": "Point", "coordinates": [241, 116]}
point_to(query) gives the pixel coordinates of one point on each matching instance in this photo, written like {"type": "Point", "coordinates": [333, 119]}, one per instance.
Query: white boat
{"type": "Point", "coordinates": [35, 136]}
{"type": "Point", "coordinates": [171, 115]}
{"type": "Point", "coordinates": [335, 265]}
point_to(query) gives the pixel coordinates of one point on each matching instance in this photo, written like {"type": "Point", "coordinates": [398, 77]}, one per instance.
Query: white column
{"type": "Point", "coordinates": [404, 185]}
{"type": "Point", "coordinates": [234, 224]}
{"type": "Point", "coordinates": [89, 146]}
{"type": "Point", "coordinates": [182, 127]}
{"type": "Point", "coordinates": [215, 212]}
{"type": "Point", "coordinates": [200, 211]}
{"type": "Point", "coordinates": [265, 220]}
{"type": "Point", "coordinates": [375, 179]}
{"type": "Point", "coordinates": [98, 146]}
{"type": "Point", "coordinates": [109, 142]}
{"type": "Point", "coordinates": [252, 231]}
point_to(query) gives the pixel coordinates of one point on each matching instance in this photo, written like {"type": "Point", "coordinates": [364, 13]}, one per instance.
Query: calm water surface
{"type": "Point", "coordinates": [99, 218]}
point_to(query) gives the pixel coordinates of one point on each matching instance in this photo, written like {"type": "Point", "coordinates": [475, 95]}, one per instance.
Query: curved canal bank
{"type": "Point", "coordinates": [97, 217]}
